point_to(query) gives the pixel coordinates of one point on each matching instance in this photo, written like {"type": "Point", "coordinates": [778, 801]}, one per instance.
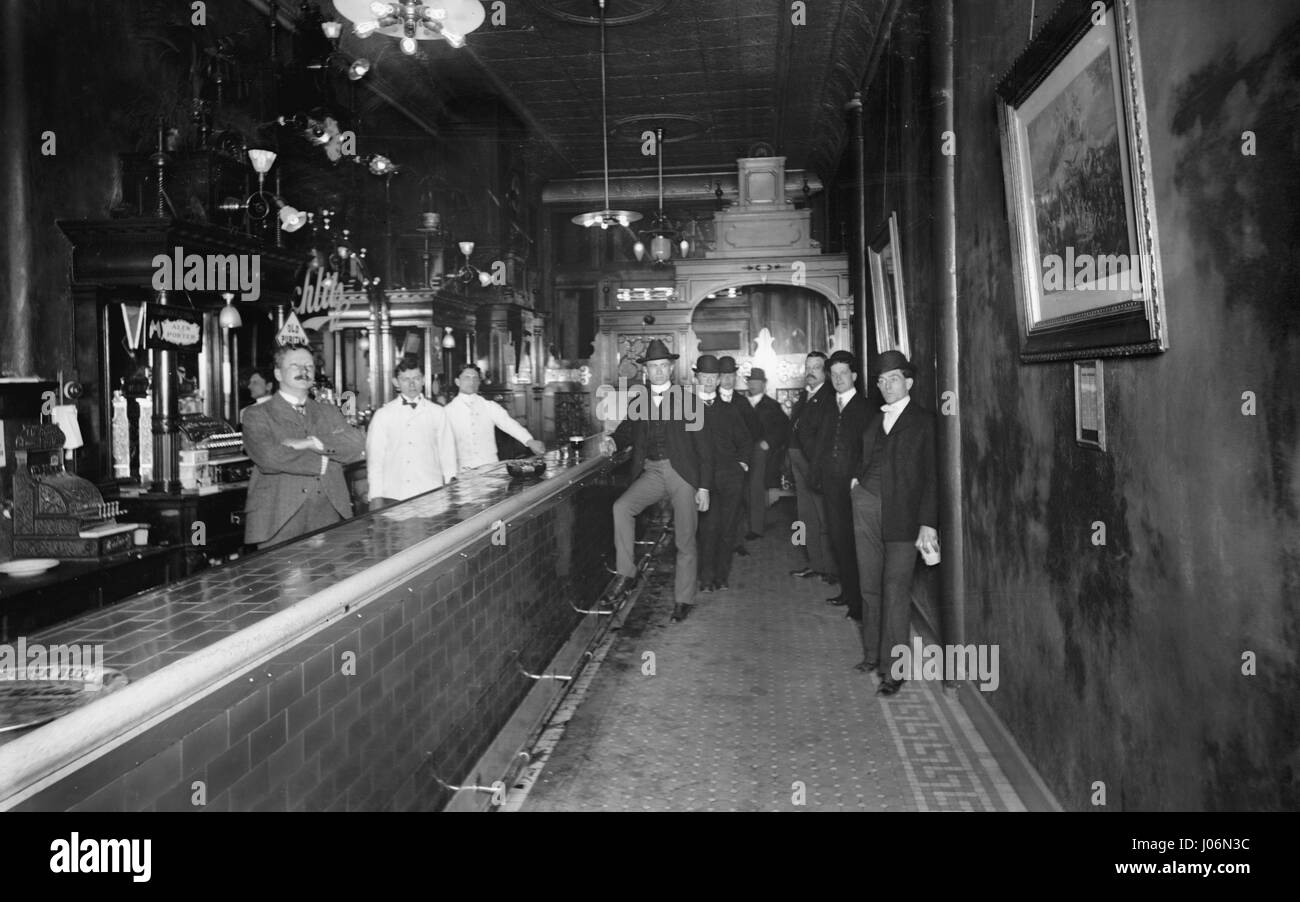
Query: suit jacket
{"type": "Point", "coordinates": [732, 440]}
{"type": "Point", "coordinates": [690, 451]}
{"type": "Point", "coordinates": [283, 477]}
{"type": "Point", "coordinates": [806, 419]}
{"type": "Point", "coordinates": [748, 414]}
{"type": "Point", "coordinates": [908, 473]}
{"type": "Point", "coordinates": [775, 431]}
{"type": "Point", "coordinates": [840, 464]}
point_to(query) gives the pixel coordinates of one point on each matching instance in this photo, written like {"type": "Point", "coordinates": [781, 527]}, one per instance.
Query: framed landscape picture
{"type": "Point", "coordinates": [1078, 186]}
{"type": "Point", "coordinates": [885, 256]}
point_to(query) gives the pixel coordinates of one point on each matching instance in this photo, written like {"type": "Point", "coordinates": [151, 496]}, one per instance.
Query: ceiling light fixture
{"type": "Point", "coordinates": [661, 231]}
{"type": "Point", "coordinates": [411, 22]}
{"type": "Point", "coordinates": [606, 217]}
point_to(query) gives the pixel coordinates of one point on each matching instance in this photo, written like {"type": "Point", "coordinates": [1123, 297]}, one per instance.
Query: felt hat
{"type": "Point", "coordinates": [892, 360]}
{"type": "Point", "coordinates": [728, 364]}
{"type": "Point", "coordinates": [707, 364]}
{"type": "Point", "coordinates": [757, 373]}
{"type": "Point", "coordinates": [657, 351]}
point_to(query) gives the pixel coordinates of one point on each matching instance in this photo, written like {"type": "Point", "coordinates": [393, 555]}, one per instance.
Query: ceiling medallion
{"type": "Point", "coordinates": [578, 12]}
{"type": "Point", "coordinates": [680, 126]}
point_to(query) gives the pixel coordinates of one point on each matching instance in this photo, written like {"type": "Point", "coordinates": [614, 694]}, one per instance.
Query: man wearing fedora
{"type": "Point", "coordinates": [774, 429]}
{"type": "Point", "coordinates": [895, 513]}
{"type": "Point", "coordinates": [672, 460]}
{"type": "Point", "coordinates": [732, 445]}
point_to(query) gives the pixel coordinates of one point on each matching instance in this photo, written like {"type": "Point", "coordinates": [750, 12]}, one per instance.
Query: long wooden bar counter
{"type": "Point", "coordinates": [359, 668]}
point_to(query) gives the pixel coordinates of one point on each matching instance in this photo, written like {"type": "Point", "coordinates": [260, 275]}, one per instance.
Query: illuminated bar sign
{"type": "Point", "coordinates": [174, 329]}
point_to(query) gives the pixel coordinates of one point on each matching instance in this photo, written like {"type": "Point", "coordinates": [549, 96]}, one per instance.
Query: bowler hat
{"type": "Point", "coordinates": [728, 364]}
{"type": "Point", "coordinates": [707, 364]}
{"type": "Point", "coordinates": [757, 373]}
{"type": "Point", "coordinates": [657, 351]}
{"type": "Point", "coordinates": [892, 360]}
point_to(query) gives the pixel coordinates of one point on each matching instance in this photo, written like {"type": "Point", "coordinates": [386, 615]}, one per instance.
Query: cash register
{"type": "Point", "coordinates": [58, 514]}
{"type": "Point", "coordinates": [212, 452]}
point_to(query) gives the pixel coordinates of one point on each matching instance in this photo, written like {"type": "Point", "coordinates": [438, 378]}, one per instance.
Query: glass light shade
{"type": "Point", "coordinates": [639, 250]}
{"type": "Point", "coordinates": [230, 318]}
{"type": "Point", "coordinates": [366, 28]}
{"type": "Point", "coordinates": [454, 39]}
{"type": "Point", "coordinates": [332, 29]}
{"type": "Point", "coordinates": [466, 247]}
{"type": "Point", "coordinates": [380, 165]}
{"type": "Point", "coordinates": [485, 279]}
{"type": "Point", "coordinates": [661, 248]}
{"type": "Point", "coordinates": [358, 69]}
{"type": "Point", "coordinates": [262, 160]}
{"type": "Point", "coordinates": [448, 339]}
{"type": "Point", "coordinates": [380, 10]}
{"type": "Point", "coordinates": [684, 246]}
{"type": "Point", "coordinates": [291, 219]}
{"type": "Point", "coordinates": [409, 45]}
{"type": "Point", "coordinates": [459, 16]}
{"type": "Point", "coordinates": [606, 218]}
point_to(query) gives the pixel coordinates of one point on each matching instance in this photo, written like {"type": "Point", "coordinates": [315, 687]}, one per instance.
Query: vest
{"type": "Point", "coordinates": [876, 464]}
{"type": "Point", "coordinates": [839, 457]}
{"type": "Point", "coordinates": [657, 431]}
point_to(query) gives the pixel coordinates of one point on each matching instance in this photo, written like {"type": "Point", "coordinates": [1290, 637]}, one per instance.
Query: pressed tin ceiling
{"type": "Point", "coordinates": [719, 75]}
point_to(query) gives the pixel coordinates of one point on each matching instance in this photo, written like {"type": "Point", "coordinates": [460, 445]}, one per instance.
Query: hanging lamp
{"type": "Point", "coordinates": [606, 217]}
{"type": "Point", "coordinates": [661, 231]}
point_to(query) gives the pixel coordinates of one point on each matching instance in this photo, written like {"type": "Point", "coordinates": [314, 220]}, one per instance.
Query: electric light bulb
{"type": "Point", "coordinates": [409, 46]}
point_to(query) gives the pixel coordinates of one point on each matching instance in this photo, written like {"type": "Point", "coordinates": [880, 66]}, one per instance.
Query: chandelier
{"type": "Point", "coordinates": [606, 217]}
{"type": "Point", "coordinates": [446, 20]}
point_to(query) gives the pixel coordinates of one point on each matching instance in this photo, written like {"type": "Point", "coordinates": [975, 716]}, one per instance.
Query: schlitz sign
{"type": "Point", "coordinates": [174, 329]}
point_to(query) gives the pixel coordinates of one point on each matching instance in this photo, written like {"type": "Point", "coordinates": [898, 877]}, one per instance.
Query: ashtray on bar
{"type": "Point", "coordinates": [535, 466]}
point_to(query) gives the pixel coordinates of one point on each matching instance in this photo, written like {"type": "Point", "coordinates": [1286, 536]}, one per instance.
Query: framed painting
{"type": "Point", "coordinates": [885, 257]}
{"type": "Point", "coordinates": [1078, 187]}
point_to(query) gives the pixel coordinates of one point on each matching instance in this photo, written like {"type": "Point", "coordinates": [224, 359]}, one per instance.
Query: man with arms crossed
{"type": "Point", "coordinates": [299, 448]}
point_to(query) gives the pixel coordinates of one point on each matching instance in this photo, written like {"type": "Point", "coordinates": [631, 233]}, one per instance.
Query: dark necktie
{"type": "Point", "coordinates": [407, 403]}
{"type": "Point", "coordinates": [301, 408]}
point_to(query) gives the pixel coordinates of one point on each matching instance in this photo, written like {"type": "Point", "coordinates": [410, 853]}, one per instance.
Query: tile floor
{"type": "Point", "coordinates": [752, 705]}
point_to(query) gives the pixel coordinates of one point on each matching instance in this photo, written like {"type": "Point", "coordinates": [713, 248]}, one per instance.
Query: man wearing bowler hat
{"type": "Point", "coordinates": [672, 459]}
{"type": "Point", "coordinates": [732, 445]}
{"type": "Point", "coordinates": [727, 392]}
{"type": "Point", "coordinates": [895, 513]}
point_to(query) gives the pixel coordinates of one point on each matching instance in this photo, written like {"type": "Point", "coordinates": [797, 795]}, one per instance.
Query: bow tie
{"type": "Point", "coordinates": [301, 408]}
{"type": "Point", "coordinates": [410, 403]}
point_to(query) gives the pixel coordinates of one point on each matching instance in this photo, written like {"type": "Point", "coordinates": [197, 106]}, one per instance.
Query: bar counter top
{"type": "Point", "coordinates": [202, 630]}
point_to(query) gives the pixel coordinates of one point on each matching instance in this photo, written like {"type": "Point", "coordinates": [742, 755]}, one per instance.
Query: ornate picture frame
{"type": "Point", "coordinates": [1080, 201]}
{"type": "Point", "coordinates": [884, 254]}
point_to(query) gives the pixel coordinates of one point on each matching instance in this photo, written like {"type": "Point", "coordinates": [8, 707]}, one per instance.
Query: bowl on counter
{"type": "Point", "coordinates": [531, 466]}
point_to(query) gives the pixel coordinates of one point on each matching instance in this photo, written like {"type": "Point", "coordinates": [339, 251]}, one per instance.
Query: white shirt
{"type": "Point", "coordinates": [754, 399]}
{"type": "Point", "coordinates": [409, 450]}
{"type": "Point", "coordinates": [473, 419]}
{"type": "Point", "coordinates": [726, 394]}
{"type": "Point", "coordinates": [813, 391]}
{"type": "Point", "coordinates": [842, 400]}
{"type": "Point", "coordinates": [893, 410]}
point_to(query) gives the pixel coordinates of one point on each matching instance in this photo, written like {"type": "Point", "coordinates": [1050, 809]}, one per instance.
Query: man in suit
{"type": "Point", "coordinates": [298, 447]}
{"type": "Point", "coordinates": [805, 428]}
{"type": "Point", "coordinates": [732, 444]}
{"type": "Point", "coordinates": [895, 513]}
{"type": "Point", "coordinates": [727, 392]}
{"type": "Point", "coordinates": [839, 454]}
{"type": "Point", "coordinates": [672, 459]}
{"type": "Point", "coordinates": [774, 428]}
{"type": "Point", "coordinates": [409, 445]}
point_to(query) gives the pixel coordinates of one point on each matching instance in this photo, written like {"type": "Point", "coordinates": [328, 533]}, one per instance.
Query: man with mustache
{"type": "Point", "coordinates": [805, 428]}
{"type": "Point", "coordinates": [299, 448]}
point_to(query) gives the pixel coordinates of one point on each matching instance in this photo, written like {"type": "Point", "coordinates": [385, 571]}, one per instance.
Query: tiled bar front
{"type": "Point", "coordinates": [350, 670]}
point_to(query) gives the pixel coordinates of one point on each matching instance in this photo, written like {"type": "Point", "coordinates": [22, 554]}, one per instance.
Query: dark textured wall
{"type": "Point", "coordinates": [1123, 663]}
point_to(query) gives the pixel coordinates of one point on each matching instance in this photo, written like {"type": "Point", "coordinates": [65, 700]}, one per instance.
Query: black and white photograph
{"type": "Point", "coordinates": [651, 407]}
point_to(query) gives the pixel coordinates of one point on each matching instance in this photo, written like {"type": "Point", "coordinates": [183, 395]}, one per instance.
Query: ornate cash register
{"type": "Point", "coordinates": [57, 514]}
{"type": "Point", "coordinates": [212, 453]}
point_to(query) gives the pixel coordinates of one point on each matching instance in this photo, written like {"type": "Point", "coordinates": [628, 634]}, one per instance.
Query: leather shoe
{"type": "Point", "coordinates": [837, 601]}
{"type": "Point", "coordinates": [721, 587]}
{"type": "Point", "coordinates": [681, 612]}
{"type": "Point", "coordinates": [804, 573]}
{"type": "Point", "coordinates": [889, 687]}
{"type": "Point", "coordinates": [706, 587]}
{"type": "Point", "coordinates": [751, 536]}
{"type": "Point", "coordinates": [742, 551]}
